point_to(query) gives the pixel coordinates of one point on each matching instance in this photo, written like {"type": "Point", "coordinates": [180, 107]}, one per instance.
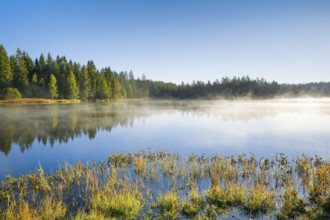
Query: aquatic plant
{"type": "Point", "coordinates": [293, 206]}
{"type": "Point", "coordinates": [162, 185]}
{"type": "Point", "coordinates": [168, 206]}
{"type": "Point", "coordinates": [193, 205]}
{"type": "Point", "coordinates": [259, 201]}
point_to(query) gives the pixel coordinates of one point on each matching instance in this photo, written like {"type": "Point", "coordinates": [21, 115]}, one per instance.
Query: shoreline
{"type": "Point", "coordinates": [26, 101]}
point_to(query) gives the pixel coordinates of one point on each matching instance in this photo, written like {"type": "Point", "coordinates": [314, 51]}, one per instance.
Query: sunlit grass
{"type": "Point", "coordinates": [260, 201]}
{"type": "Point", "coordinates": [168, 206]}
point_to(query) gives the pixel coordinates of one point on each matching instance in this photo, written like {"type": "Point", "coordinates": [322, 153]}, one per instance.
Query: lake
{"type": "Point", "coordinates": [52, 134]}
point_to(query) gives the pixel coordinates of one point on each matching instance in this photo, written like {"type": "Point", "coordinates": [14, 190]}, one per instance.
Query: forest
{"type": "Point", "coordinates": [60, 78]}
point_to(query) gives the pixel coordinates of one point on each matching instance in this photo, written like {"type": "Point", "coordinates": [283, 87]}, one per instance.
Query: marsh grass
{"type": "Point", "coordinates": [259, 201]}
{"type": "Point", "coordinates": [193, 205]}
{"type": "Point", "coordinates": [162, 185]}
{"type": "Point", "coordinates": [168, 205]}
{"type": "Point", "coordinates": [293, 206]}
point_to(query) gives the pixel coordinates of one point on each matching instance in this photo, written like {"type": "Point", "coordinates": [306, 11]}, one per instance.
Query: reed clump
{"type": "Point", "coordinates": [168, 206]}
{"type": "Point", "coordinates": [259, 201]}
{"type": "Point", "coordinates": [193, 205]}
{"type": "Point", "coordinates": [293, 205]}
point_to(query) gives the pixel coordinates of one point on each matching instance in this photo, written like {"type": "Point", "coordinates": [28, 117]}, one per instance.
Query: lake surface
{"type": "Point", "coordinates": [52, 134]}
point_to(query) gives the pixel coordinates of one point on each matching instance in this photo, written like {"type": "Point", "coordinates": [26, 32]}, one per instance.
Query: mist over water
{"type": "Point", "coordinates": [51, 134]}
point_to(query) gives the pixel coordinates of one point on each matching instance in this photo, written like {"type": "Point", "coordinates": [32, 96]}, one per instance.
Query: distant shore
{"type": "Point", "coordinates": [58, 101]}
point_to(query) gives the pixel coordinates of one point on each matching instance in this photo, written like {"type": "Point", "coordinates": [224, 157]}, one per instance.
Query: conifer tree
{"type": "Point", "coordinates": [102, 91]}
{"type": "Point", "coordinates": [115, 88]}
{"type": "Point", "coordinates": [92, 76]}
{"type": "Point", "coordinates": [52, 87]}
{"type": "Point", "coordinates": [20, 72]}
{"type": "Point", "coordinates": [6, 74]}
{"type": "Point", "coordinates": [72, 90]}
{"type": "Point", "coordinates": [145, 86]}
{"type": "Point", "coordinates": [132, 84]}
{"type": "Point", "coordinates": [85, 85]}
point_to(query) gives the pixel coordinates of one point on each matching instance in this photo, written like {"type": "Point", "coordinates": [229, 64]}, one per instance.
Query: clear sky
{"type": "Point", "coordinates": [178, 40]}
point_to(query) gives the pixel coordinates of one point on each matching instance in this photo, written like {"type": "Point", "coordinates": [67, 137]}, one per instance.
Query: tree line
{"type": "Point", "coordinates": [58, 78]}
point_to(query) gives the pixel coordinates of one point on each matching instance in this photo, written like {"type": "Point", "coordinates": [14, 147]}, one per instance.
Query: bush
{"type": "Point", "coordinates": [10, 93]}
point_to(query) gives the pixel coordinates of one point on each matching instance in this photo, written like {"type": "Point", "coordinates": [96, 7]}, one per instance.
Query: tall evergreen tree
{"type": "Point", "coordinates": [145, 87]}
{"type": "Point", "coordinates": [52, 87]}
{"type": "Point", "coordinates": [85, 85]}
{"type": "Point", "coordinates": [34, 79]}
{"type": "Point", "coordinates": [132, 84]}
{"type": "Point", "coordinates": [41, 67]}
{"type": "Point", "coordinates": [6, 74]}
{"type": "Point", "coordinates": [92, 76]}
{"type": "Point", "coordinates": [102, 89]}
{"type": "Point", "coordinates": [115, 88]}
{"type": "Point", "coordinates": [20, 73]}
{"type": "Point", "coordinates": [29, 65]}
{"type": "Point", "coordinates": [72, 91]}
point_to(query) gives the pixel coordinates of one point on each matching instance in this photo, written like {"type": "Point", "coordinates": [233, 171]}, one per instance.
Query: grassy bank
{"type": "Point", "coordinates": [39, 101]}
{"type": "Point", "coordinates": [161, 185]}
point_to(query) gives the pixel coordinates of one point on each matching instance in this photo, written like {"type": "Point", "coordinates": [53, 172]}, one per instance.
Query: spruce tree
{"type": "Point", "coordinates": [132, 84]}
{"type": "Point", "coordinates": [102, 88]}
{"type": "Point", "coordinates": [115, 88]}
{"type": "Point", "coordinates": [72, 90]}
{"type": "Point", "coordinates": [85, 85]}
{"type": "Point", "coordinates": [20, 72]}
{"type": "Point", "coordinates": [145, 87]}
{"type": "Point", "coordinates": [52, 87]}
{"type": "Point", "coordinates": [92, 76]}
{"type": "Point", "coordinates": [6, 74]}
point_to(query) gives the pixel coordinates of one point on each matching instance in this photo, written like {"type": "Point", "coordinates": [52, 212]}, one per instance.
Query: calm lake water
{"type": "Point", "coordinates": [52, 134]}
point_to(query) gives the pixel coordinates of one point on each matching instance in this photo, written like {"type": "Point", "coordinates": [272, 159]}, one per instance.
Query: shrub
{"type": "Point", "coordinates": [10, 93]}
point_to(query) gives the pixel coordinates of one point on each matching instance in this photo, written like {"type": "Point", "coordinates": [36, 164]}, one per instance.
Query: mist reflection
{"type": "Point", "coordinates": [22, 125]}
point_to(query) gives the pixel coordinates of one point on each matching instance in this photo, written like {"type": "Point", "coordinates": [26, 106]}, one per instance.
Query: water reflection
{"type": "Point", "coordinates": [22, 125]}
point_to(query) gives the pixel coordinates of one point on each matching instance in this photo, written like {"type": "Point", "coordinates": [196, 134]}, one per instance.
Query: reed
{"type": "Point", "coordinates": [163, 185]}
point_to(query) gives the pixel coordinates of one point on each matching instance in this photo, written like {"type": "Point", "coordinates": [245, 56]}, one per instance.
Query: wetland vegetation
{"type": "Point", "coordinates": [163, 185]}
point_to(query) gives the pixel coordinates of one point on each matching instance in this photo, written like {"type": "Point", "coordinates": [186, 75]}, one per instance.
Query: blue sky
{"type": "Point", "coordinates": [178, 40]}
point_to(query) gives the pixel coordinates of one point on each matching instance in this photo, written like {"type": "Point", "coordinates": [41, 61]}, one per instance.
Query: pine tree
{"type": "Point", "coordinates": [85, 85]}
{"type": "Point", "coordinates": [72, 90]}
{"type": "Point", "coordinates": [20, 73]}
{"type": "Point", "coordinates": [102, 88]}
{"type": "Point", "coordinates": [145, 87]}
{"type": "Point", "coordinates": [130, 91]}
{"type": "Point", "coordinates": [34, 79]}
{"type": "Point", "coordinates": [115, 88]}
{"type": "Point", "coordinates": [132, 83]}
{"type": "Point", "coordinates": [6, 74]}
{"type": "Point", "coordinates": [41, 67]}
{"type": "Point", "coordinates": [29, 65]}
{"type": "Point", "coordinates": [52, 87]}
{"type": "Point", "coordinates": [92, 76]}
